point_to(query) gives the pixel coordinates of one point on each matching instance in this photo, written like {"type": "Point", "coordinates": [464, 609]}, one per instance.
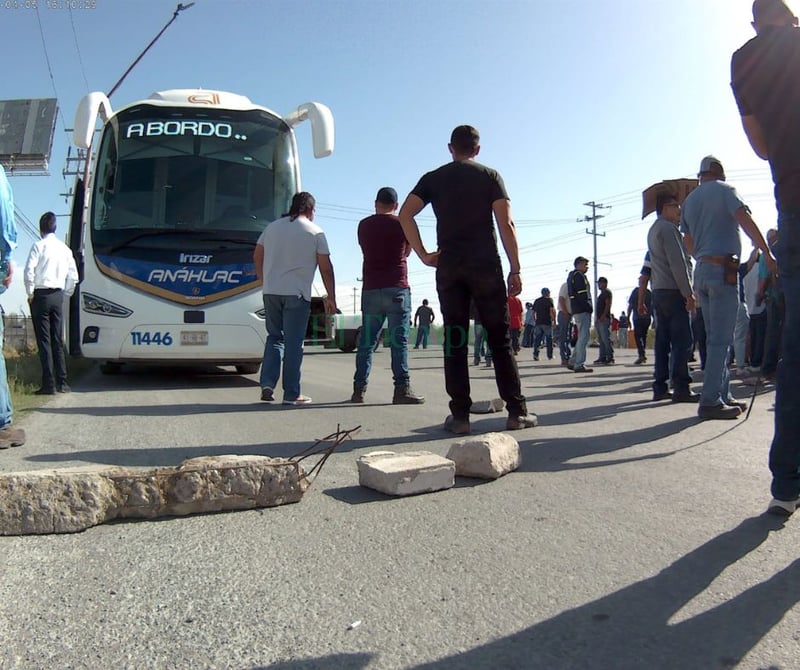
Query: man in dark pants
{"type": "Point", "coordinates": [641, 322]}
{"type": "Point", "coordinates": [766, 83]}
{"type": "Point", "coordinates": [50, 277]}
{"type": "Point", "coordinates": [465, 195]}
{"type": "Point", "coordinates": [673, 302]}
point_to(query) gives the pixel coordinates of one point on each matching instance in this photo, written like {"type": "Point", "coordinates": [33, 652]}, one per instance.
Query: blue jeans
{"type": "Point", "coordinates": [286, 322]}
{"type": "Point", "coordinates": [784, 455]}
{"type": "Point", "coordinates": [604, 336]}
{"type": "Point", "coordinates": [378, 305]}
{"type": "Point", "coordinates": [5, 395]}
{"type": "Point", "coordinates": [481, 346]}
{"type": "Point", "coordinates": [673, 341]}
{"type": "Point", "coordinates": [564, 334]}
{"type": "Point", "coordinates": [720, 304]}
{"type": "Point", "coordinates": [584, 321]}
{"type": "Point", "coordinates": [740, 336]}
{"type": "Point", "coordinates": [542, 332]}
{"type": "Point", "coordinates": [422, 337]}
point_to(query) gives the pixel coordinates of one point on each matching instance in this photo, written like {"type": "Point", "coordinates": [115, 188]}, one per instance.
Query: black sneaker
{"type": "Point", "coordinates": [718, 412]}
{"type": "Point", "coordinates": [686, 396]}
{"type": "Point", "coordinates": [358, 394]}
{"type": "Point", "coordinates": [44, 392]}
{"type": "Point", "coordinates": [662, 395]}
{"type": "Point", "coordinates": [583, 368]}
{"type": "Point", "coordinates": [267, 394]}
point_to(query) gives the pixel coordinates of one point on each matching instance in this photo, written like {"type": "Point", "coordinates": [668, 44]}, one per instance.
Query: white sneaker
{"type": "Point", "coordinates": [299, 400]}
{"type": "Point", "coordinates": [783, 507]}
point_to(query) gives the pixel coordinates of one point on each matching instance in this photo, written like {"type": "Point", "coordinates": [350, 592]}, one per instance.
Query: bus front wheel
{"type": "Point", "coordinates": [248, 368]}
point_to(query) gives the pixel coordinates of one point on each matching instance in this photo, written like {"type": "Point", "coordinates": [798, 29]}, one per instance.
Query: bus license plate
{"type": "Point", "coordinates": [194, 337]}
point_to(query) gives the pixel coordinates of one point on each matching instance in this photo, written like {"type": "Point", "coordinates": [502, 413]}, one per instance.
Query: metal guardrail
{"type": "Point", "coordinates": [18, 333]}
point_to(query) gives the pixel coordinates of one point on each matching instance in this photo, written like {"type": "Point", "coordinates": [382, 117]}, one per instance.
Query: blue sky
{"type": "Point", "coordinates": [575, 100]}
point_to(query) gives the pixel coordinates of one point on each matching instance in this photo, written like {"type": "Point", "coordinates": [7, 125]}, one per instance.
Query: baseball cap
{"type": "Point", "coordinates": [707, 165]}
{"type": "Point", "coordinates": [387, 196]}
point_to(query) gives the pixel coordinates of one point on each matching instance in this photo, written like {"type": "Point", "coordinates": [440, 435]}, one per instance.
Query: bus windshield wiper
{"type": "Point", "coordinates": [155, 233]}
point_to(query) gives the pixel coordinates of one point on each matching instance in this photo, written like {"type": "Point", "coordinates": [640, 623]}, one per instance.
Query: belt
{"type": "Point", "coordinates": [47, 290]}
{"type": "Point", "coordinates": [716, 260]}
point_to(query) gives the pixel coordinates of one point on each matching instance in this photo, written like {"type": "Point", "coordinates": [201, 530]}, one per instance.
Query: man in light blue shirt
{"type": "Point", "coordinates": [710, 221]}
{"type": "Point", "coordinates": [9, 437]}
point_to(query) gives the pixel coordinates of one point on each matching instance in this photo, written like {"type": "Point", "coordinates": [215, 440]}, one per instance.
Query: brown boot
{"type": "Point", "coordinates": [11, 437]}
{"type": "Point", "coordinates": [403, 395]}
{"type": "Point", "coordinates": [358, 394]}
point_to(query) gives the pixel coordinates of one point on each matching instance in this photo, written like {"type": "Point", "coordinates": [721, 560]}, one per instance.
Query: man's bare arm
{"type": "Point", "coordinates": [411, 207]}
{"type": "Point", "coordinates": [755, 135]}
{"type": "Point", "coordinates": [508, 236]}
{"type": "Point", "coordinates": [641, 308]}
{"type": "Point", "coordinates": [751, 230]}
{"type": "Point", "coordinates": [328, 281]}
{"type": "Point", "coordinates": [688, 242]}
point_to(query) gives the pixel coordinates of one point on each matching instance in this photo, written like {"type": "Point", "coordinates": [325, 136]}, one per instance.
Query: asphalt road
{"type": "Point", "coordinates": [632, 536]}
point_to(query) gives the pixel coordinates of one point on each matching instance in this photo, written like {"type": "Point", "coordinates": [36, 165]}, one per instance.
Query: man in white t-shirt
{"type": "Point", "coordinates": [286, 257]}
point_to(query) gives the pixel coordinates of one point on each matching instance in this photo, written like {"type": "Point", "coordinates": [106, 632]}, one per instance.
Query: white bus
{"type": "Point", "coordinates": [165, 220]}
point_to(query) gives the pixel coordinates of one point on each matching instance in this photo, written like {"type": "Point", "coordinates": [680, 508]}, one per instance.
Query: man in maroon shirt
{"type": "Point", "coordinates": [514, 321]}
{"type": "Point", "coordinates": [385, 295]}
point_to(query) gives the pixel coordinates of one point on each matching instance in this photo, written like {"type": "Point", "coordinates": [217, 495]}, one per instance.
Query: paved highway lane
{"type": "Point", "coordinates": [631, 537]}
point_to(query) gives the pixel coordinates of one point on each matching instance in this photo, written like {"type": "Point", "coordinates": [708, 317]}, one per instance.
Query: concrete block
{"type": "Point", "coordinates": [405, 474]}
{"type": "Point", "coordinates": [487, 406]}
{"type": "Point", "coordinates": [487, 456]}
{"type": "Point", "coordinates": [73, 499]}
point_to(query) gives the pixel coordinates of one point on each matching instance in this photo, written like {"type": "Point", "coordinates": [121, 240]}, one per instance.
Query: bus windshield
{"type": "Point", "coordinates": [213, 174]}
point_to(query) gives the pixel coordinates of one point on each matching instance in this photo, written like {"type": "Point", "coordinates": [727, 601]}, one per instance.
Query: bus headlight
{"type": "Point", "coordinates": [96, 305]}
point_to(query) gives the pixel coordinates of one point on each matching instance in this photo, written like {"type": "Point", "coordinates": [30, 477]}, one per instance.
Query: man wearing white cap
{"type": "Point", "coordinates": [710, 221]}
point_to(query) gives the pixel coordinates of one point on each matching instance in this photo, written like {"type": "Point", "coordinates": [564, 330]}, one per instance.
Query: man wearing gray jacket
{"type": "Point", "coordinates": [673, 302]}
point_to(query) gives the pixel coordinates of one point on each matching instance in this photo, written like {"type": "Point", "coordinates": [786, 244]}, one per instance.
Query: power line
{"type": "Point", "coordinates": [78, 49]}
{"type": "Point", "coordinates": [49, 68]}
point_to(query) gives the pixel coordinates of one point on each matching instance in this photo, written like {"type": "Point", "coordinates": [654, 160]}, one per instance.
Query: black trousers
{"type": "Point", "coordinates": [46, 312]}
{"type": "Point", "coordinates": [458, 285]}
{"type": "Point", "coordinates": [640, 327]}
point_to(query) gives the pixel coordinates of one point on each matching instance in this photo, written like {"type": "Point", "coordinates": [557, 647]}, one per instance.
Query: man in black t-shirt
{"type": "Point", "coordinates": [765, 76]}
{"type": "Point", "coordinates": [580, 298]}
{"type": "Point", "coordinates": [544, 315]}
{"type": "Point", "coordinates": [423, 318]}
{"type": "Point", "coordinates": [465, 195]}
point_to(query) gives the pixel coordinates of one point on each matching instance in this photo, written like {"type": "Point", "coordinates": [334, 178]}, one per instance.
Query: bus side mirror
{"type": "Point", "coordinates": [322, 132]}
{"type": "Point", "coordinates": [90, 107]}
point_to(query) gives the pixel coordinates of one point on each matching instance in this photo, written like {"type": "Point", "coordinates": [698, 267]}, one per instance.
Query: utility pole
{"type": "Point", "coordinates": [593, 232]}
{"type": "Point", "coordinates": [355, 291]}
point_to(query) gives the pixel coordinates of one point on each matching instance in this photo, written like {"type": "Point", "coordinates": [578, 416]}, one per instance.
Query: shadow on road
{"type": "Point", "coordinates": [634, 627]}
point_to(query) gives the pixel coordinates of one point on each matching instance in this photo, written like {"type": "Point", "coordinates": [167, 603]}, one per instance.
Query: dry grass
{"type": "Point", "coordinates": [25, 376]}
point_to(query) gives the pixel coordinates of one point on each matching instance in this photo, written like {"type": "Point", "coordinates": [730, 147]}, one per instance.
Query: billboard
{"type": "Point", "coordinates": [26, 134]}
